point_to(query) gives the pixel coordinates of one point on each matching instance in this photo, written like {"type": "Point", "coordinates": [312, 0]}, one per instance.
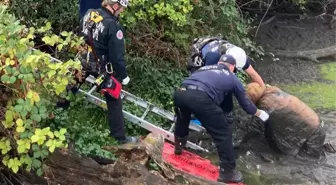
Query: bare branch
{"type": "Point", "coordinates": [263, 18]}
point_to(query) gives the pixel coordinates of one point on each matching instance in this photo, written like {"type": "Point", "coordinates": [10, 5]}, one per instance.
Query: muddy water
{"type": "Point", "coordinates": [262, 166]}
{"type": "Point", "coordinates": [267, 167]}
{"type": "Point", "coordinates": [315, 84]}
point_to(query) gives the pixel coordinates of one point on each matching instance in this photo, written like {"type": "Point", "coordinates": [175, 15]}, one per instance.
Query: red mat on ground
{"type": "Point", "coordinates": [191, 163]}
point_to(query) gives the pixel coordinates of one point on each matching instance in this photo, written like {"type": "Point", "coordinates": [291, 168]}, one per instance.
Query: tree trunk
{"type": "Point", "coordinates": [65, 167]}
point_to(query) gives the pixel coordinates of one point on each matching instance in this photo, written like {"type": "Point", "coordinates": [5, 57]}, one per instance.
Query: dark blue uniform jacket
{"type": "Point", "coordinates": [108, 38]}
{"type": "Point", "coordinates": [217, 81]}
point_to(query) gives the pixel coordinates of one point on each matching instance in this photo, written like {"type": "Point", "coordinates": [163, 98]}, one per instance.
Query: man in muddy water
{"type": "Point", "coordinates": [201, 94]}
{"type": "Point", "coordinates": [293, 128]}
{"type": "Point", "coordinates": [207, 51]}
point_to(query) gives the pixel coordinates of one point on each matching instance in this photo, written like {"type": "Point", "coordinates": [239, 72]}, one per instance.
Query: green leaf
{"type": "Point", "coordinates": [16, 72]}
{"type": "Point", "coordinates": [5, 78]}
{"type": "Point", "coordinates": [43, 115]}
{"type": "Point", "coordinates": [28, 161]}
{"type": "Point", "coordinates": [62, 137]}
{"type": "Point", "coordinates": [23, 69]}
{"type": "Point", "coordinates": [20, 101]}
{"type": "Point", "coordinates": [9, 116]}
{"type": "Point", "coordinates": [44, 153]}
{"type": "Point", "coordinates": [51, 73]}
{"type": "Point", "coordinates": [20, 129]}
{"type": "Point", "coordinates": [37, 154]}
{"type": "Point", "coordinates": [36, 163]}
{"type": "Point", "coordinates": [52, 148]}
{"type": "Point", "coordinates": [15, 169]}
{"type": "Point", "coordinates": [49, 143]}
{"type": "Point", "coordinates": [34, 138]}
{"type": "Point", "coordinates": [18, 108]}
{"type": "Point", "coordinates": [9, 70]}
{"type": "Point", "coordinates": [64, 33]}
{"type": "Point", "coordinates": [23, 113]}
{"type": "Point", "coordinates": [60, 47]}
{"type": "Point", "coordinates": [12, 79]}
{"type": "Point", "coordinates": [30, 134]}
{"type": "Point", "coordinates": [21, 148]}
{"type": "Point", "coordinates": [36, 117]}
{"type": "Point", "coordinates": [24, 135]}
{"type": "Point", "coordinates": [39, 172]}
{"type": "Point", "coordinates": [62, 131]}
{"type": "Point", "coordinates": [35, 147]}
{"type": "Point", "coordinates": [27, 106]}
{"type": "Point", "coordinates": [56, 133]}
{"type": "Point", "coordinates": [34, 110]}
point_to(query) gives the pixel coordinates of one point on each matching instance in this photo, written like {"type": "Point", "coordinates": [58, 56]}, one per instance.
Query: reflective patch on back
{"type": "Point", "coordinates": [95, 17]}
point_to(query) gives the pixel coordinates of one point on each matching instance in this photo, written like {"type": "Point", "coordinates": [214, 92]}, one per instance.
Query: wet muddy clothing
{"type": "Point", "coordinates": [293, 127]}
{"type": "Point", "coordinates": [201, 94]}
{"type": "Point", "coordinates": [108, 40]}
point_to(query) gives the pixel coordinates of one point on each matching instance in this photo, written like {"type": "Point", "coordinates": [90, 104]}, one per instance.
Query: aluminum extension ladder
{"type": "Point", "coordinates": [149, 107]}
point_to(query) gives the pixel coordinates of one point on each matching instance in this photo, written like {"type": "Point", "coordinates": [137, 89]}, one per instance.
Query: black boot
{"type": "Point", "coordinates": [180, 143]}
{"type": "Point", "coordinates": [230, 176]}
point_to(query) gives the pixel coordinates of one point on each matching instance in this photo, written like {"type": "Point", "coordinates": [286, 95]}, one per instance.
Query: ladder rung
{"type": "Point", "coordinates": [146, 112]}
{"type": "Point", "coordinates": [92, 89]}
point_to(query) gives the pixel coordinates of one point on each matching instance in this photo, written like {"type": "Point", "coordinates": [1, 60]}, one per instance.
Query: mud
{"type": "Point", "coordinates": [294, 34]}
{"type": "Point", "coordinates": [261, 165]}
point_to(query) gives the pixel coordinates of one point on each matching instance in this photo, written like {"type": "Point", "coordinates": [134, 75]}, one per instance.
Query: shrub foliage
{"type": "Point", "coordinates": [32, 78]}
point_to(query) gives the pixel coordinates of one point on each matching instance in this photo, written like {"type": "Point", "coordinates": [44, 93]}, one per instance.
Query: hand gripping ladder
{"type": "Point", "coordinates": [149, 107]}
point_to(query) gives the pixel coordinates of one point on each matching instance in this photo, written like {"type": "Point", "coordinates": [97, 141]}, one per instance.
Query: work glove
{"type": "Point", "coordinates": [263, 115]}
{"type": "Point", "coordinates": [126, 80]}
{"type": "Point", "coordinates": [268, 85]}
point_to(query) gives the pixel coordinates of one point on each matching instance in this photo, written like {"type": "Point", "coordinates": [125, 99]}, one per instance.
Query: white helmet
{"type": "Point", "coordinates": [123, 3]}
{"type": "Point", "coordinates": [239, 54]}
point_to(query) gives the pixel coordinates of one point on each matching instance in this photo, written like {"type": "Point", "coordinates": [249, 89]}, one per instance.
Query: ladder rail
{"type": "Point", "coordinates": [145, 104]}
{"type": "Point", "coordinates": [141, 122]}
